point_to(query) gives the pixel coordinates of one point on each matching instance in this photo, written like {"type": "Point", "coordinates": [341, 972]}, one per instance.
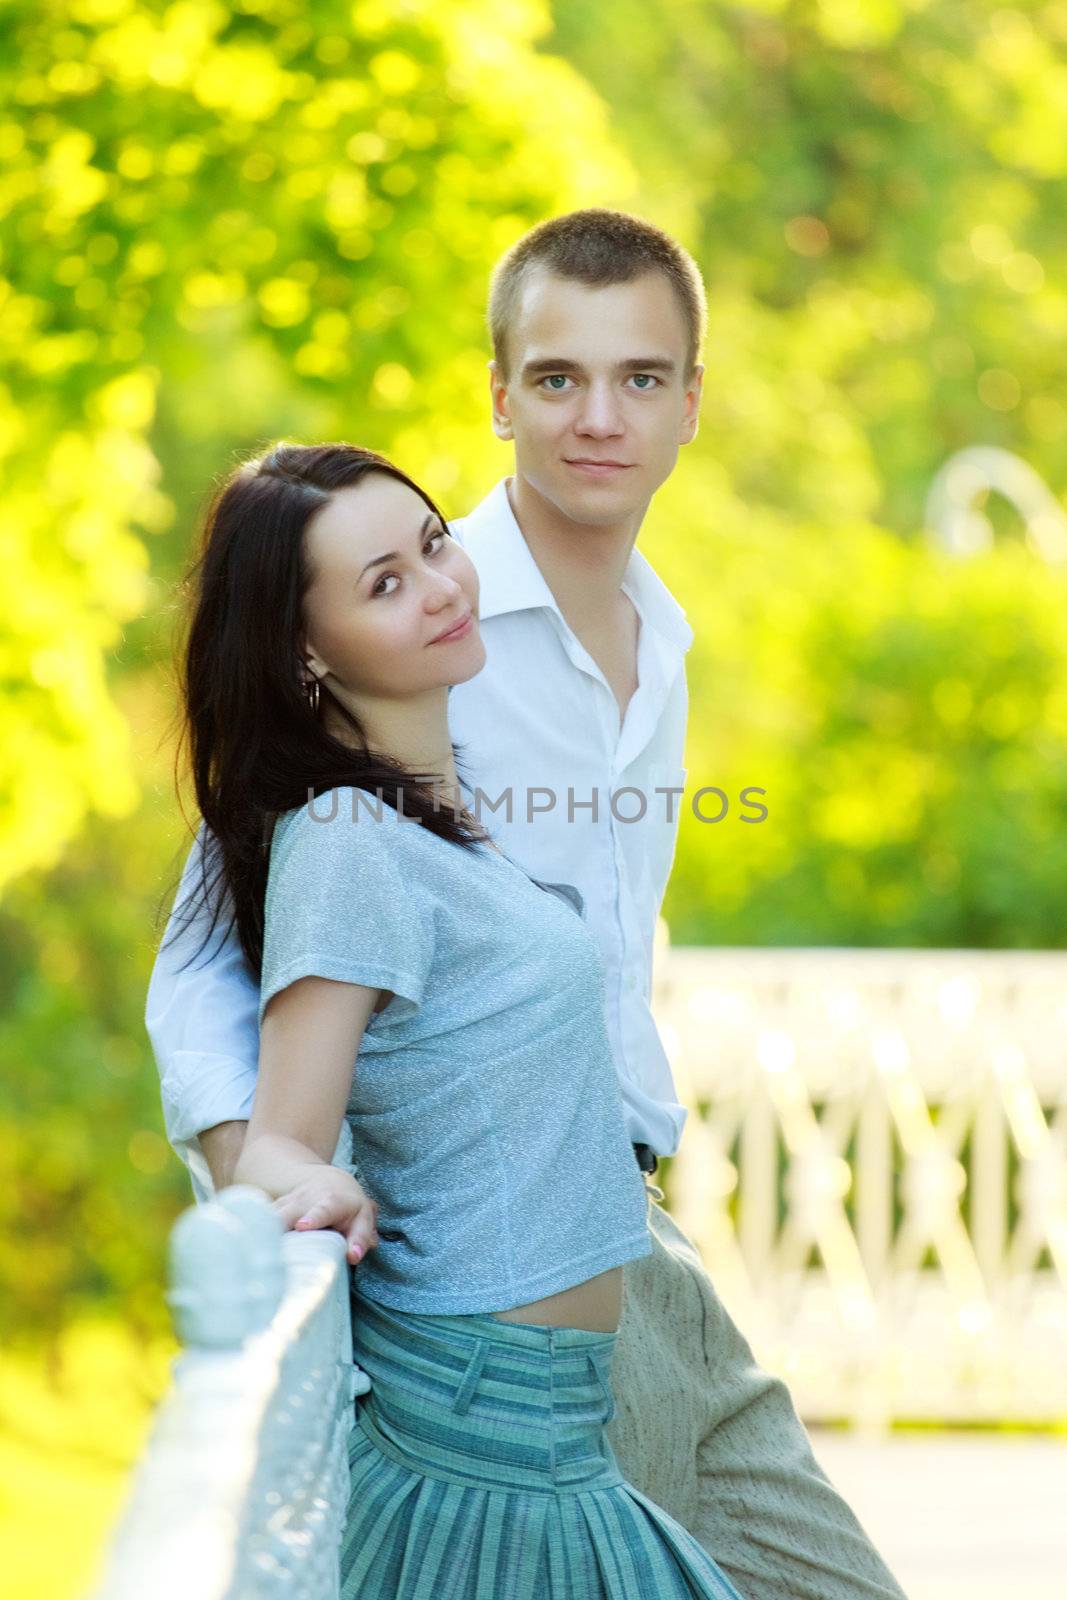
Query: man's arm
{"type": "Point", "coordinates": [204, 1032]}
{"type": "Point", "coordinates": [222, 1145]}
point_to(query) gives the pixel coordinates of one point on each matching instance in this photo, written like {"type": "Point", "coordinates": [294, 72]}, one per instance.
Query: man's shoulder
{"type": "Point", "coordinates": [483, 518]}
{"type": "Point", "coordinates": [656, 603]}
{"type": "Point", "coordinates": [456, 529]}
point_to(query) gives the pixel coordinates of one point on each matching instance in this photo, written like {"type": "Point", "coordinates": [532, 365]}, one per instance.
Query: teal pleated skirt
{"type": "Point", "coordinates": [481, 1471]}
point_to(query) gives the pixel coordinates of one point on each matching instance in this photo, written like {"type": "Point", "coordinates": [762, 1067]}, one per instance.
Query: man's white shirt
{"type": "Point", "coordinates": [554, 777]}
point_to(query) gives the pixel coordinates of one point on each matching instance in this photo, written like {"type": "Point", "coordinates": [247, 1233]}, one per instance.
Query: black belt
{"type": "Point", "coordinates": [646, 1157]}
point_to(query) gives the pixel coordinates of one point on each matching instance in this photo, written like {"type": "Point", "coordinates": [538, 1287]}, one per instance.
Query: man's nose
{"type": "Point", "coordinates": [600, 415]}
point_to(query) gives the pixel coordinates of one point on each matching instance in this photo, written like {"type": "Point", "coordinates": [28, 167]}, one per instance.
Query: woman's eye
{"type": "Point", "coordinates": [437, 539]}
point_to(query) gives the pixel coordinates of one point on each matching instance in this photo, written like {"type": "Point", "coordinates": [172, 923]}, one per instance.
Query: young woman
{"type": "Point", "coordinates": [418, 982]}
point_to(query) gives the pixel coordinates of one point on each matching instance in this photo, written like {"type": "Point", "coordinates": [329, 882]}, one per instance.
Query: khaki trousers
{"type": "Point", "coordinates": [717, 1442]}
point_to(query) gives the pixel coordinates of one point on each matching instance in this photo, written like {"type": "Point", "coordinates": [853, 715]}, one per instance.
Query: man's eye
{"type": "Point", "coordinates": [556, 381]}
{"type": "Point", "coordinates": [645, 380]}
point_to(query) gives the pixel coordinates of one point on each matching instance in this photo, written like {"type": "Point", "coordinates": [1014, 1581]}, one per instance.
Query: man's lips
{"type": "Point", "coordinates": [457, 631]}
{"type": "Point", "coordinates": [596, 467]}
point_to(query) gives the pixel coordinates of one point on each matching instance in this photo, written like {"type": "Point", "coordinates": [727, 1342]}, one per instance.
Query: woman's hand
{"type": "Point", "coordinates": [330, 1198]}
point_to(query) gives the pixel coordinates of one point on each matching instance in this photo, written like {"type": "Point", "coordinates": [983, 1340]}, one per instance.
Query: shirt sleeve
{"type": "Point", "coordinates": [344, 901]}
{"type": "Point", "coordinates": [201, 1019]}
{"type": "Point", "coordinates": [200, 1015]}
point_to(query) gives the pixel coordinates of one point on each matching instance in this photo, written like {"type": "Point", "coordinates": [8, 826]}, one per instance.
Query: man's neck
{"type": "Point", "coordinates": [583, 565]}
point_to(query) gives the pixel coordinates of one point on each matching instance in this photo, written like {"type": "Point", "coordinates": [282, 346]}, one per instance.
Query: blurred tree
{"type": "Point", "coordinates": [219, 224]}
{"type": "Point", "coordinates": [222, 224]}
{"type": "Point", "coordinates": [254, 218]}
{"type": "Point", "coordinates": [875, 191]}
{"type": "Point", "coordinates": [905, 714]}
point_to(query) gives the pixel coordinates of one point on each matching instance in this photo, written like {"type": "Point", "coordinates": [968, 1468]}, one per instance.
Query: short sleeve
{"type": "Point", "coordinates": [345, 901]}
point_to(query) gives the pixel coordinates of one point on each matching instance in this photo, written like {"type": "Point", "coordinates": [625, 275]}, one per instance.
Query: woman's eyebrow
{"type": "Point", "coordinates": [394, 555]}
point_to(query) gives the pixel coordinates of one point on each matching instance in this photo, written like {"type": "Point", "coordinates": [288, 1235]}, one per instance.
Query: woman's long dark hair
{"type": "Point", "coordinates": [256, 747]}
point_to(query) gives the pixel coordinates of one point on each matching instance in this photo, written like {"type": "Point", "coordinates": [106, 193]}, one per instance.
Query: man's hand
{"type": "Point", "coordinates": [329, 1198]}
{"type": "Point", "coordinates": [222, 1145]}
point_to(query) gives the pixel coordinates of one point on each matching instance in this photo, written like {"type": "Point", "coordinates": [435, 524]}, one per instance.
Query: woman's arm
{"type": "Point", "coordinates": [309, 1037]}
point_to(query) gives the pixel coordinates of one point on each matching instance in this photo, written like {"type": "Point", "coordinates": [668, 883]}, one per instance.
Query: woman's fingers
{"type": "Point", "coordinates": [362, 1232]}
{"type": "Point", "coordinates": [296, 1211]}
{"type": "Point", "coordinates": [288, 1208]}
{"type": "Point", "coordinates": [355, 1218]}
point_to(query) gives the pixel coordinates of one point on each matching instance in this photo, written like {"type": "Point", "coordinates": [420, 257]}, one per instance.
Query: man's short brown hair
{"type": "Point", "coordinates": [598, 247]}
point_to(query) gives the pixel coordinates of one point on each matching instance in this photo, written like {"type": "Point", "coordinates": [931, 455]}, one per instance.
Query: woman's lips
{"type": "Point", "coordinates": [460, 631]}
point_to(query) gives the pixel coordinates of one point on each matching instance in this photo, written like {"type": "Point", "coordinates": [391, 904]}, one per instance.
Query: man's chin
{"type": "Point", "coordinates": [600, 503]}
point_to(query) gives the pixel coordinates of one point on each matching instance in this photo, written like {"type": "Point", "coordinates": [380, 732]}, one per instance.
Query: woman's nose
{"type": "Point", "coordinates": [442, 591]}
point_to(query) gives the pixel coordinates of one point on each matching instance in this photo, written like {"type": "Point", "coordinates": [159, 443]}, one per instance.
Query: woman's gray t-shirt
{"type": "Point", "coordinates": [486, 1113]}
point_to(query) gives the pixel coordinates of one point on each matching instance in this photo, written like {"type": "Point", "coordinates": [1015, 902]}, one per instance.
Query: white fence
{"type": "Point", "coordinates": [243, 1486]}
{"type": "Point", "coordinates": [875, 1170]}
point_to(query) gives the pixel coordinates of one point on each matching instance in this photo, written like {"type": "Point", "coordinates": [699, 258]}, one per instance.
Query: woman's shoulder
{"type": "Point", "coordinates": [352, 825]}
{"type": "Point", "coordinates": [345, 821]}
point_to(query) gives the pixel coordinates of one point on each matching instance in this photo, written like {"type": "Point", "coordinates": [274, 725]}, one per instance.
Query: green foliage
{"type": "Point", "coordinates": [875, 192]}
{"type": "Point", "coordinates": [71, 1429]}
{"type": "Point", "coordinates": [256, 218]}
{"type": "Point", "coordinates": [91, 1186]}
{"type": "Point", "coordinates": [906, 715]}
{"type": "Point", "coordinates": [220, 224]}
{"type": "Point", "coordinates": [225, 224]}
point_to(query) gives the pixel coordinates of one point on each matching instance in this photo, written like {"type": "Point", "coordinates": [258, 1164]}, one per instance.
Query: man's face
{"type": "Point", "coordinates": [597, 399]}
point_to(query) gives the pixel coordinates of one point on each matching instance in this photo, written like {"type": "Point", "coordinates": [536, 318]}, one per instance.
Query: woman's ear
{"type": "Point", "coordinates": [311, 668]}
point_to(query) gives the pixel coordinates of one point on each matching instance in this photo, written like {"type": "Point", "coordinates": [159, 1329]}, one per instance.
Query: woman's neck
{"type": "Point", "coordinates": [413, 732]}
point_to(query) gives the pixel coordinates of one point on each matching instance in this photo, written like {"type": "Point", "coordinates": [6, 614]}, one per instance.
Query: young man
{"type": "Point", "coordinates": [571, 740]}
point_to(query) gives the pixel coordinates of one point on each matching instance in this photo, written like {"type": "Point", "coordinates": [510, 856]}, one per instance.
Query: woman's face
{"type": "Point", "coordinates": [387, 582]}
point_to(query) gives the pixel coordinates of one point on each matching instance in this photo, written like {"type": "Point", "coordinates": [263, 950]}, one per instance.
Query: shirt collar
{"type": "Point", "coordinates": [510, 579]}
{"type": "Point", "coordinates": [655, 603]}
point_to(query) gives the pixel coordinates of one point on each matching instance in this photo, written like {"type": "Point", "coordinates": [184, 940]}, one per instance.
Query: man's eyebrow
{"type": "Point", "coordinates": [537, 369]}
{"type": "Point", "coordinates": [394, 555]}
{"type": "Point", "coordinates": [550, 364]}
